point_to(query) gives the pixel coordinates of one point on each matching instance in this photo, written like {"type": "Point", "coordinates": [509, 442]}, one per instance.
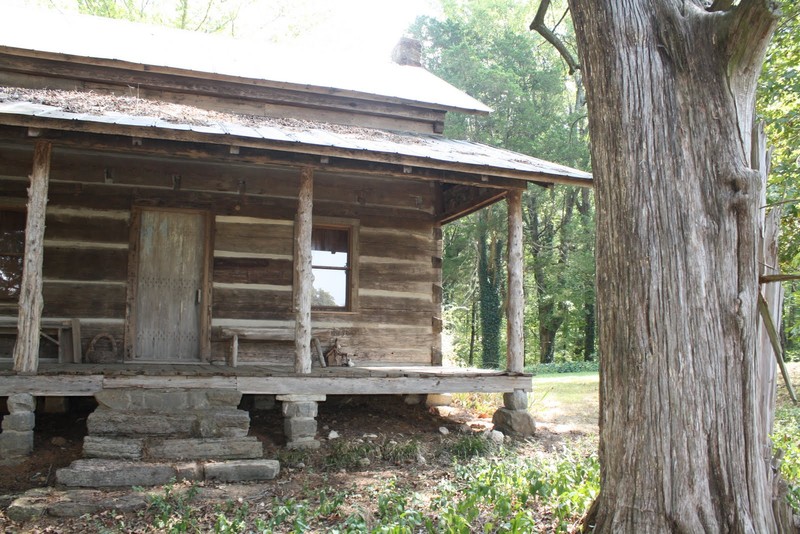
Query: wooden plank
{"type": "Point", "coordinates": [77, 353]}
{"type": "Point", "coordinates": [515, 309]}
{"type": "Point", "coordinates": [26, 349]}
{"type": "Point", "coordinates": [304, 285]}
{"type": "Point", "coordinates": [169, 381]}
{"type": "Point", "coordinates": [84, 299]}
{"type": "Point", "coordinates": [63, 263]}
{"type": "Point", "coordinates": [380, 386]}
{"type": "Point", "coordinates": [272, 239]}
{"type": "Point", "coordinates": [42, 385]}
{"type": "Point", "coordinates": [253, 271]}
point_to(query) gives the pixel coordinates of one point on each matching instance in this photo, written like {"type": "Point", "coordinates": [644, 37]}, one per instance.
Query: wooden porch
{"type": "Point", "coordinates": [58, 379]}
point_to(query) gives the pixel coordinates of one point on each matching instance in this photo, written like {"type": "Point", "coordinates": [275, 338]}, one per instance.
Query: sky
{"type": "Point", "coordinates": [361, 28]}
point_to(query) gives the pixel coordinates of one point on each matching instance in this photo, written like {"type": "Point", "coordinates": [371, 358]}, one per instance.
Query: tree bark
{"type": "Point", "coordinates": [670, 90]}
{"type": "Point", "coordinates": [29, 319]}
{"type": "Point", "coordinates": [302, 273]}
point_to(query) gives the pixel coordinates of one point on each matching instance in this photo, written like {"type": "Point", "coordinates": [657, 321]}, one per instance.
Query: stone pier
{"type": "Point", "coordinates": [514, 418]}
{"type": "Point", "coordinates": [300, 423]}
{"type": "Point", "coordinates": [174, 424]}
{"type": "Point", "coordinates": [16, 440]}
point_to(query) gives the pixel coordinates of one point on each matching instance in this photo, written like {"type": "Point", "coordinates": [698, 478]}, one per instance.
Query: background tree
{"type": "Point", "coordinates": [481, 46]}
{"type": "Point", "coordinates": [779, 105]}
{"type": "Point", "coordinates": [670, 87]}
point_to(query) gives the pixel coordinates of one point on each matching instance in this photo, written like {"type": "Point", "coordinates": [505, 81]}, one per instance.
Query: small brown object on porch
{"type": "Point", "coordinates": [336, 357]}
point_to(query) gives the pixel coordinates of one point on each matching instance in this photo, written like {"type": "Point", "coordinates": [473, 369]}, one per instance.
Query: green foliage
{"type": "Point", "coordinates": [786, 436]}
{"type": "Point", "coordinates": [470, 446]}
{"type": "Point", "coordinates": [485, 48]}
{"type": "Point", "coordinates": [172, 512]}
{"type": "Point", "coordinates": [563, 367]}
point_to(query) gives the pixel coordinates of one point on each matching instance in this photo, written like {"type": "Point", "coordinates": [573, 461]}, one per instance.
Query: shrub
{"type": "Point", "coordinates": [562, 367]}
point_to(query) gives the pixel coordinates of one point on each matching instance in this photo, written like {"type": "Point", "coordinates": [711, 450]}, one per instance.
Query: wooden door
{"type": "Point", "coordinates": [168, 300]}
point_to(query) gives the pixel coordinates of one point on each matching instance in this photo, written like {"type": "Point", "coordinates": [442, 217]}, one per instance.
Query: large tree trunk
{"type": "Point", "coordinates": [670, 91]}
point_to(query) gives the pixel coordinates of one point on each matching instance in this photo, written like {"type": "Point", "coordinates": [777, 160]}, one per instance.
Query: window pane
{"type": "Point", "coordinates": [330, 288]}
{"type": "Point", "coordinates": [321, 258]}
{"type": "Point", "coordinates": [12, 247]}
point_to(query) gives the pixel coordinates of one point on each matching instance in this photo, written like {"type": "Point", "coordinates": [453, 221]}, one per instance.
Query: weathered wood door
{"type": "Point", "coordinates": [168, 300]}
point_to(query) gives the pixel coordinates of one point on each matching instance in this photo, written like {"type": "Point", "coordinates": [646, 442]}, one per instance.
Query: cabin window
{"type": "Point", "coordinates": [331, 263]}
{"type": "Point", "coordinates": [12, 250]}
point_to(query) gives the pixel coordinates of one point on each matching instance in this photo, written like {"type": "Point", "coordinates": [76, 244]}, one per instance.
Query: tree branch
{"type": "Point", "coordinates": [539, 26]}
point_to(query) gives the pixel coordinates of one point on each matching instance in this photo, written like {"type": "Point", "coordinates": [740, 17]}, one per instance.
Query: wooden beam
{"type": "Point", "coordinates": [29, 319]}
{"type": "Point", "coordinates": [515, 352]}
{"type": "Point", "coordinates": [772, 332]}
{"type": "Point", "coordinates": [302, 272]}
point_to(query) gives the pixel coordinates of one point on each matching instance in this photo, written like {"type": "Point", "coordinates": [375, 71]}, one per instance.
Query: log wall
{"type": "Point", "coordinates": [87, 238]}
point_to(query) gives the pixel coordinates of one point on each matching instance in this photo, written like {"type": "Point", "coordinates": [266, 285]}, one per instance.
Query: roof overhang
{"type": "Point", "coordinates": [298, 143]}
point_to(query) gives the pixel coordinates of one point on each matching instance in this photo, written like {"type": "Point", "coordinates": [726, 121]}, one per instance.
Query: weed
{"type": "Point", "coordinates": [786, 436]}
{"type": "Point", "coordinates": [470, 446]}
{"type": "Point", "coordinates": [172, 511]}
{"type": "Point", "coordinates": [399, 452]}
{"type": "Point", "coordinates": [348, 455]}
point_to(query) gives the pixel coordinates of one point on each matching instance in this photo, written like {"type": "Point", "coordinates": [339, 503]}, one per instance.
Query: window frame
{"type": "Point", "coordinates": [351, 272]}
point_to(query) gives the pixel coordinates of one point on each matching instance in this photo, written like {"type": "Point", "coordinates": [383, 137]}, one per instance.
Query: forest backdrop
{"type": "Point", "coordinates": [485, 48]}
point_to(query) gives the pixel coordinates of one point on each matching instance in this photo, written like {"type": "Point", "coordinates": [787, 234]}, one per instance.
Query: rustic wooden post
{"type": "Point", "coordinates": [29, 318]}
{"type": "Point", "coordinates": [302, 273]}
{"type": "Point", "coordinates": [515, 348]}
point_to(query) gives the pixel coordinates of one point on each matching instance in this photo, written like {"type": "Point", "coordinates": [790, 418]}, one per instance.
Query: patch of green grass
{"type": "Point", "coordinates": [400, 451]}
{"type": "Point", "coordinates": [786, 436]}
{"type": "Point", "coordinates": [470, 446]}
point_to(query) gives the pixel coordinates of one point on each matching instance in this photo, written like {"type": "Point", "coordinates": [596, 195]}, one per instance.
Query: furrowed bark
{"type": "Point", "coordinates": [670, 91]}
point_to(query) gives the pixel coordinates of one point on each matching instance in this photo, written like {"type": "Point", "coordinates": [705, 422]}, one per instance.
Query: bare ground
{"type": "Point", "coordinates": [357, 420]}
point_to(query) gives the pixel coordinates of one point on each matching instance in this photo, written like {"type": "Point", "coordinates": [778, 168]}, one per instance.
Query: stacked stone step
{"type": "Point", "coordinates": [174, 424]}
{"type": "Point", "coordinates": [16, 439]}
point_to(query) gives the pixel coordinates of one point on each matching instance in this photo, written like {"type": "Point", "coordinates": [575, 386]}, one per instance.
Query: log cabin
{"type": "Point", "coordinates": [181, 215]}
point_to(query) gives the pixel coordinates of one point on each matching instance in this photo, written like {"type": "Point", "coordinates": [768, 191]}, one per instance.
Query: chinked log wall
{"type": "Point", "coordinates": [87, 247]}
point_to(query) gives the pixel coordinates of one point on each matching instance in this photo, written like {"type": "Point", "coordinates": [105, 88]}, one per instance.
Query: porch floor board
{"type": "Point", "coordinates": [55, 379]}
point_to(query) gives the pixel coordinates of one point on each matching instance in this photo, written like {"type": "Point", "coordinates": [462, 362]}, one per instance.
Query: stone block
{"type": "Point", "coordinates": [118, 423]}
{"type": "Point", "coordinates": [303, 443]}
{"type": "Point", "coordinates": [167, 400]}
{"type": "Point", "coordinates": [299, 409]}
{"type": "Point", "coordinates": [189, 471]}
{"type": "Point", "coordinates": [295, 428]}
{"type": "Point", "coordinates": [300, 398]}
{"type": "Point", "coordinates": [29, 506]}
{"type": "Point", "coordinates": [514, 422]}
{"type": "Point", "coordinates": [15, 443]}
{"type": "Point", "coordinates": [101, 473]}
{"type": "Point", "coordinates": [104, 447]}
{"type": "Point", "coordinates": [438, 399]}
{"type": "Point", "coordinates": [76, 503]}
{"type": "Point", "coordinates": [518, 400]}
{"type": "Point", "coordinates": [224, 398]}
{"type": "Point", "coordinates": [242, 470]}
{"type": "Point", "coordinates": [412, 399]}
{"type": "Point", "coordinates": [21, 402]}
{"type": "Point", "coordinates": [223, 423]}
{"type": "Point", "coordinates": [20, 421]}
{"type": "Point", "coordinates": [264, 402]}
{"type": "Point", "coordinates": [206, 448]}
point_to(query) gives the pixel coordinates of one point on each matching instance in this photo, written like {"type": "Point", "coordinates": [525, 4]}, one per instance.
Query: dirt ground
{"type": "Point", "coordinates": [375, 420]}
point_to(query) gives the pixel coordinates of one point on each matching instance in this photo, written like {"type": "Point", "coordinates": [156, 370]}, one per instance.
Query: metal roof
{"type": "Point", "coordinates": [357, 143]}
{"type": "Point", "coordinates": [90, 39]}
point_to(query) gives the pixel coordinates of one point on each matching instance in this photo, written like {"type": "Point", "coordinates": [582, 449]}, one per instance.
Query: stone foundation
{"type": "Point", "coordinates": [174, 424]}
{"type": "Point", "coordinates": [514, 418]}
{"type": "Point", "coordinates": [299, 420]}
{"type": "Point", "coordinates": [16, 440]}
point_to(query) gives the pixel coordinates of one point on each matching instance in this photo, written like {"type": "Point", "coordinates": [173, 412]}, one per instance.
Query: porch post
{"type": "Point", "coordinates": [515, 349]}
{"type": "Point", "coordinates": [302, 273]}
{"type": "Point", "coordinates": [29, 318]}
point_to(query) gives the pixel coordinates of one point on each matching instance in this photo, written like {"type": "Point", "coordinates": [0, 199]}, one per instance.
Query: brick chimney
{"type": "Point", "coordinates": [407, 52]}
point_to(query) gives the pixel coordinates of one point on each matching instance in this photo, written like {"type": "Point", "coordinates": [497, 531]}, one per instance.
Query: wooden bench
{"type": "Point", "coordinates": [66, 335]}
{"type": "Point", "coordinates": [267, 334]}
